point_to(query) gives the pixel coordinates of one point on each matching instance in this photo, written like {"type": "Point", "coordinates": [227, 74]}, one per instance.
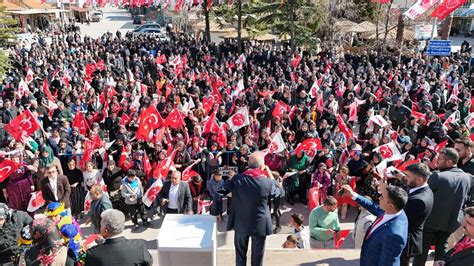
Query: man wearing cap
{"type": "Point", "coordinates": [11, 223]}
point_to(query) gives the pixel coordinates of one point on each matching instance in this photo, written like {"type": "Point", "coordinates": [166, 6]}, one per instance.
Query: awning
{"type": "Point", "coordinates": [79, 9]}
{"type": "Point", "coordinates": [37, 11]}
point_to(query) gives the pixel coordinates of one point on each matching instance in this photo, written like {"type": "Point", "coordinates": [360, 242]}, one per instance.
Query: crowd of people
{"type": "Point", "coordinates": [115, 118]}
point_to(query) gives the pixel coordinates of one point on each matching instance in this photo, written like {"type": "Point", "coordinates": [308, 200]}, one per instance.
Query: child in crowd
{"type": "Point", "coordinates": [214, 184]}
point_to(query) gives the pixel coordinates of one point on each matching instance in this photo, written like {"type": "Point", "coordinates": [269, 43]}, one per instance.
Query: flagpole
{"type": "Point", "coordinates": [433, 28]}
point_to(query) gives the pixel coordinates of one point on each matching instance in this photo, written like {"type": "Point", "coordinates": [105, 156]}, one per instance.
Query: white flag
{"type": "Point", "coordinates": [379, 120]}
{"type": "Point", "coordinates": [36, 201]}
{"type": "Point", "coordinates": [277, 145]}
{"type": "Point", "coordinates": [419, 8]}
{"type": "Point", "coordinates": [389, 152]}
{"type": "Point", "coordinates": [469, 120]}
{"type": "Point", "coordinates": [239, 119]}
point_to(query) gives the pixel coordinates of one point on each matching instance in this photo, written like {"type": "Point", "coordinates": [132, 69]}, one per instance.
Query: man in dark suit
{"type": "Point", "coordinates": [450, 186]}
{"type": "Point", "coordinates": [56, 187]}
{"type": "Point", "coordinates": [387, 236]}
{"type": "Point", "coordinates": [175, 195]}
{"type": "Point", "coordinates": [419, 205]}
{"type": "Point", "coordinates": [116, 249]}
{"type": "Point", "coordinates": [465, 146]}
{"type": "Point", "coordinates": [462, 253]}
{"type": "Point", "coordinates": [249, 214]}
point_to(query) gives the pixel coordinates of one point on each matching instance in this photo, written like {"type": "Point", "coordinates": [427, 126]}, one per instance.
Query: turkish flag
{"type": "Point", "coordinates": [7, 167]}
{"type": "Point", "coordinates": [125, 119]}
{"type": "Point", "coordinates": [162, 168]}
{"type": "Point", "coordinates": [81, 123]}
{"type": "Point", "coordinates": [211, 124]}
{"type": "Point", "coordinates": [174, 119]}
{"type": "Point", "coordinates": [389, 152]}
{"type": "Point", "coordinates": [150, 195]}
{"type": "Point", "coordinates": [296, 61]}
{"type": "Point", "coordinates": [161, 59]}
{"type": "Point", "coordinates": [239, 119]}
{"type": "Point", "coordinates": [451, 119]}
{"type": "Point", "coordinates": [150, 119]}
{"type": "Point", "coordinates": [313, 198]}
{"type": "Point", "coordinates": [418, 115]}
{"type": "Point", "coordinates": [188, 172]}
{"type": "Point", "coordinates": [47, 91]}
{"type": "Point", "coordinates": [469, 120]}
{"type": "Point", "coordinates": [36, 201]}
{"type": "Point", "coordinates": [309, 146]}
{"type": "Point", "coordinates": [446, 8]}
{"type": "Point", "coordinates": [146, 165]}
{"type": "Point", "coordinates": [340, 236]}
{"type": "Point", "coordinates": [215, 92]}
{"type": "Point", "coordinates": [440, 146]}
{"type": "Point", "coordinates": [279, 109]}
{"type": "Point", "coordinates": [100, 65]}
{"type": "Point", "coordinates": [277, 145]}
{"type": "Point", "coordinates": [344, 128]}
{"type": "Point", "coordinates": [222, 136]}
{"type": "Point", "coordinates": [403, 166]}
{"type": "Point", "coordinates": [24, 124]}
{"type": "Point", "coordinates": [90, 69]}
{"type": "Point", "coordinates": [88, 150]}
{"type": "Point", "coordinates": [207, 104]}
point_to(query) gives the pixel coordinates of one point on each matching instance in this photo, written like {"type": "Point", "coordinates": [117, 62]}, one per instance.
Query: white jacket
{"type": "Point", "coordinates": [362, 224]}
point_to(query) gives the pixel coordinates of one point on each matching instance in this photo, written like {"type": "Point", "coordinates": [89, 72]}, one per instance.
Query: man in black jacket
{"type": "Point", "coordinates": [417, 209]}
{"type": "Point", "coordinates": [117, 250]}
{"type": "Point", "coordinates": [450, 186]}
{"type": "Point", "coordinates": [11, 223]}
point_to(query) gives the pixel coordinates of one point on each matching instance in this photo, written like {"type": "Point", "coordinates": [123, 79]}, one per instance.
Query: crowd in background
{"type": "Point", "coordinates": [424, 104]}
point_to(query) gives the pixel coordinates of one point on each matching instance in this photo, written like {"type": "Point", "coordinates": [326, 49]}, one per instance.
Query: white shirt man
{"type": "Point", "coordinates": [173, 196]}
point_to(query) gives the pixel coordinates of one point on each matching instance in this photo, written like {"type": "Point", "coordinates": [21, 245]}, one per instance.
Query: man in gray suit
{"type": "Point", "coordinates": [450, 186]}
{"type": "Point", "coordinates": [175, 196]}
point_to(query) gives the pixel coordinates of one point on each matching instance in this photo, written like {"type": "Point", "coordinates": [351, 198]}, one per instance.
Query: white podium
{"type": "Point", "coordinates": [187, 240]}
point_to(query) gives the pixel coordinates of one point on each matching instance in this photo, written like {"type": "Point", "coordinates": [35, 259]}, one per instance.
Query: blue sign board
{"type": "Point", "coordinates": [438, 47]}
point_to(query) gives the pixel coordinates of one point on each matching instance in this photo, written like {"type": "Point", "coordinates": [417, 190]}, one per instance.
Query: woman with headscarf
{"type": "Point", "coordinates": [76, 179]}
{"type": "Point", "coordinates": [19, 186]}
{"type": "Point", "coordinates": [46, 157]}
{"type": "Point", "coordinates": [48, 248]}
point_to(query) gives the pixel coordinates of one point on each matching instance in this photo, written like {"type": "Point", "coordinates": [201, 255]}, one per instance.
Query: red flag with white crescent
{"type": "Point", "coordinates": [36, 201]}
{"type": "Point", "coordinates": [162, 168]}
{"type": "Point", "coordinates": [313, 92]}
{"type": "Point", "coordinates": [174, 119]}
{"type": "Point", "coordinates": [24, 124]}
{"type": "Point", "coordinates": [440, 146]}
{"type": "Point", "coordinates": [446, 8]}
{"type": "Point", "coordinates": [81, 123]}
{"type": "Point", "coordinates": [47, 91]}
{"type": "Point", "coordinates": [188, 172]}
{"type": "Point", "coordinates": [125, 119]}
{"type": "Point", "coordinates": [88, 150]}
{"type": "Point", "coordinates": [211, 124]}
{"type": "Point", "coordinates": [150, 119]}
{"type": "Point", "coordinates": [7, 167]}
{"type": "Point", "coordinates": [147, 165]}
{"type": "Point", "coordinates": [222, 136]}
{"type": "Point", "coordinates": [280, 108]}
{"type": "Point", "coordinates": [344, 128]}
{"type": "Point", "coordinates": [310, 147]}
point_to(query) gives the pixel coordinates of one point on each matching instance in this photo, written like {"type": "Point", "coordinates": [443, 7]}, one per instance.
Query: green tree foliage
{"type": "Point", "coordinates": [299, 19]}
{"type": "Point", "coordinates": [8, 29]}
